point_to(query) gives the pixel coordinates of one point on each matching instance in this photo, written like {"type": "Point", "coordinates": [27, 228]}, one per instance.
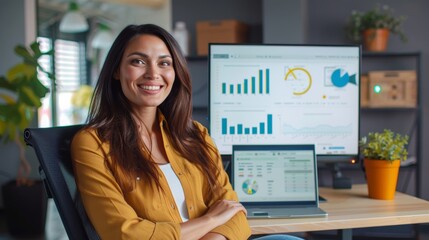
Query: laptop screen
{"type": "Point", "coordinates": [274, 173]}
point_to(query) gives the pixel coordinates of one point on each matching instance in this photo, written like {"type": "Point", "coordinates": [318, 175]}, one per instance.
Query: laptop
{"type": "Point", "coordinates": [276, 181]}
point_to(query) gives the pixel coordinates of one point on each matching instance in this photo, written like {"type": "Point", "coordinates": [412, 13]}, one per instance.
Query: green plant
{"type": "Point", "coordinates": [386, 145]}
{"type": "Point", "coordinates": [21, 92]}
{"type": "Point", "coordinates": [379, 17]}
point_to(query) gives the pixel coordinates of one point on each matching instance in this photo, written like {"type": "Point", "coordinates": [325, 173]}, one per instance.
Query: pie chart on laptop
{"type": "Point", "coordinates": [250, 187]}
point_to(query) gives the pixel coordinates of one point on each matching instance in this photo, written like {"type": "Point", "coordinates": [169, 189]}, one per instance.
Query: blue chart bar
{"type": "Point", "coordinates": [254, 130]}
{"type": "Point", "coordinates": [224, 126]}
{"type": "Point", "coordinates": [267, 82]}
{"type": "Point", "coordinates": [258, 85]}
{"type": "Point", "coordinates": [239, 129]}
{"type": "Point", "coordinates": [232, 130]}
{"type": "Point", "coordinates": [247, 131]}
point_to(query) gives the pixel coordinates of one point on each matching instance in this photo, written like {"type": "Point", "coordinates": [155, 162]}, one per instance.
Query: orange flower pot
{"type": "Point", "coordinates": [375, 39]}
{"type": "Point", "coordinates": [382, 177]}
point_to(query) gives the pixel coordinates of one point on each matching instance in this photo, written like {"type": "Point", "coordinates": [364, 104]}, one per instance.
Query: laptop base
{"type": "Point", "coordinates": [285, 212]}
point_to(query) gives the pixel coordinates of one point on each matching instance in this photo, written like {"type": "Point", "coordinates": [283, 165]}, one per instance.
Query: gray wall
{"type": "Point", "coordinates": [11, 25]}
{"type": "Point", "coordinates": [313, 22]}
{"type": "Point", "coordinates": [293, 28]}
{"type": "Point", "coordinates": [12, 31]}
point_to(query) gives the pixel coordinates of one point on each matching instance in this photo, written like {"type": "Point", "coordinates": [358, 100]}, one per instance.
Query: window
{"type": "Point", "coordinates": [69, 66]}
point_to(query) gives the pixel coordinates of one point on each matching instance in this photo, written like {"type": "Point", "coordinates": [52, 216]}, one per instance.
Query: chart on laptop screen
{"type": "Point", "coordinates": [274, 175]}
{"type": "Point", "coordinates": [285, 94]}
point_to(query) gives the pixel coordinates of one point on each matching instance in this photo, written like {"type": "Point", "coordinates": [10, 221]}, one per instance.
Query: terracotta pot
{"type": "Point", "coordinates": [381, 177]}
{"type": "Point", "coordinates": [375, 39]}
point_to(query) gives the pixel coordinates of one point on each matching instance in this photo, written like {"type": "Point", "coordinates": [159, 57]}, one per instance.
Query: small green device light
{"type": "Point", "coordinates": [377, 89]}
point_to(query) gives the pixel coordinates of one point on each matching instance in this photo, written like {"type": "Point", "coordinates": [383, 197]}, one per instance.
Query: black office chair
{"type": "Point", "coordinates": [52, 147]}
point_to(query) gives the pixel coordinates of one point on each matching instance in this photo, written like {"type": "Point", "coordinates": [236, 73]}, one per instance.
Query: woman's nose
{"type": "Point", "coordinates": [152, 72]}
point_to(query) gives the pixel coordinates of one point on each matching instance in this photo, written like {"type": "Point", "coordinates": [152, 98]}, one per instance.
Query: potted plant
{"type": "Point", "coordinates": [21, 92]}
{"type": "Point", "coordinates": [383, 153]}
{"type": "Point", "coordinates": [372, 28]}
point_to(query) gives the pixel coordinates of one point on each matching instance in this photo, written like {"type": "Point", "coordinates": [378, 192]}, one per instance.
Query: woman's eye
{"type": "Point", "coordinates": [138, 61]}
{"type": "Point", "coordinates": [165, 63]}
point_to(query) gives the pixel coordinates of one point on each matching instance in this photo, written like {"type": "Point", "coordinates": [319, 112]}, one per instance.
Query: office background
{"type": "Point", "coordinates": [271, 21]}
{"type": "Point", "coordinates": [313, 22]}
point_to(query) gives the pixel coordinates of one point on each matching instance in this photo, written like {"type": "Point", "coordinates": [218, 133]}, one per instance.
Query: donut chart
{"type": "Point", "coordinates": [250, 187]}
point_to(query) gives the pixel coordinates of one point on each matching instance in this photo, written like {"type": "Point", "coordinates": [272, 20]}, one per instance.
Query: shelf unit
{"type": "Point", "coordinates": [396, 118]}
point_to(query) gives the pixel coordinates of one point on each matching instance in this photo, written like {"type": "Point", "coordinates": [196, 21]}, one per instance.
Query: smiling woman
{"type": "Point", "coordinates": [142, 106]}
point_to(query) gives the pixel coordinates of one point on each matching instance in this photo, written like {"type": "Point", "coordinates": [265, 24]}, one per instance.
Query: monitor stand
{"type": "Point", "coordinates": [338, 180]}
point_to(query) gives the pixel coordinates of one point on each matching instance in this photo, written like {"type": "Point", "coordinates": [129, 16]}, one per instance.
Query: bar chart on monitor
{"type": "Point", "coordinates": [237, 127]}
{"type": "Point", "coordinates": [244, 80]}
{"type": "Point", "coordinates": [260, 128]}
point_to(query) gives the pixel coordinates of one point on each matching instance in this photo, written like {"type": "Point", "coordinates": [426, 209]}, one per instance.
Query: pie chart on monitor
{"type": "Point", "coordinates": [340, 78]}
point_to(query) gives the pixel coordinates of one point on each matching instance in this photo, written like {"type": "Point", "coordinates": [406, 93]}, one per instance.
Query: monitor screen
{"type": "Point", "coordinates": [285, 94]}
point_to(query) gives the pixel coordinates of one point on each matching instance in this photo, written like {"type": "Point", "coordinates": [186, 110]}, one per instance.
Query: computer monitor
{"type": "Point", "coordinates": [286, 94]}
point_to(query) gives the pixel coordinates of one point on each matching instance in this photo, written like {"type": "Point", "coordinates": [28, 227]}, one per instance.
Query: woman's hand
{"type": "Point", "coordinates": [219, 213]}
{"type": "Point", "coordinates": [223, 210]}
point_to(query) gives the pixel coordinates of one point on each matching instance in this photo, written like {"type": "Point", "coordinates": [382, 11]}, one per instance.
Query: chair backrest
{"type": "Point", "coordinates": [52, 147]}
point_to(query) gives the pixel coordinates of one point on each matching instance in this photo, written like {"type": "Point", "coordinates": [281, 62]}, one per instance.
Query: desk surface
{"type": "Point", "coordinates": [351, 208]}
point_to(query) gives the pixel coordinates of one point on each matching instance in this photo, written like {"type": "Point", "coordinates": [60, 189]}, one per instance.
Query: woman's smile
{"type": "Point", "coordinates": [150, 87]}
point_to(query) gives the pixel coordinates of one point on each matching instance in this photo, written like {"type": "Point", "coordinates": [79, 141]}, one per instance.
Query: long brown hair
{"type": "Point", "coordinates": [111, 115]}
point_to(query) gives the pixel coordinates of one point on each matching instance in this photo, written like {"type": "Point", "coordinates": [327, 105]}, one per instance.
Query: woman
{"type": "Point", "coordinates": [144, 169]}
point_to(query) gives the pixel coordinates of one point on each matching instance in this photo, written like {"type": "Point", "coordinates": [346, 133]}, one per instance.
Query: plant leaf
{"type": "Point", "coordinates": [26, 55]}
{"type": "Point", "coordinates": [7, 96]}
{"type": "Point", "coordinates": [26, 116]}
{"type": "Point", "coordinates": [38, 88]}
{"type": "Point", "coordinates": [29, 97]}
{"type": "Point", "coordinates": [5, 83]}
{"type": "Point", "coordinates": [35, 46]}
{"type": "Point", "coordinates": [21, 70]}
{"type": "Point", "coordinates": [10, 113]}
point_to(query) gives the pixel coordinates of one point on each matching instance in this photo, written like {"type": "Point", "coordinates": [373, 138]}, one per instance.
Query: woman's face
{"type": "Point", "coordinates": [146, 72]}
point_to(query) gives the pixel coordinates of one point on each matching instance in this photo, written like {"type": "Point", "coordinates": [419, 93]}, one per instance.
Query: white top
{"type": "Point", "coordinates": [176, 189]}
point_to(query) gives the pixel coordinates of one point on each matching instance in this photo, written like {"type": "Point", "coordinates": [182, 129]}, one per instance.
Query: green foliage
{"type": "Point", "coordinates": [379, 17]}
{"type": "Point", "coordinates": [384, 146]}
{"type": "Point", "coordinates": [21, 92]}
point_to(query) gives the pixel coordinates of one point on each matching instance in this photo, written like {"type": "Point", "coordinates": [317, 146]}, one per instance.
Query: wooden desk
{"type": "Point", "coordinates": [348, 209]}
